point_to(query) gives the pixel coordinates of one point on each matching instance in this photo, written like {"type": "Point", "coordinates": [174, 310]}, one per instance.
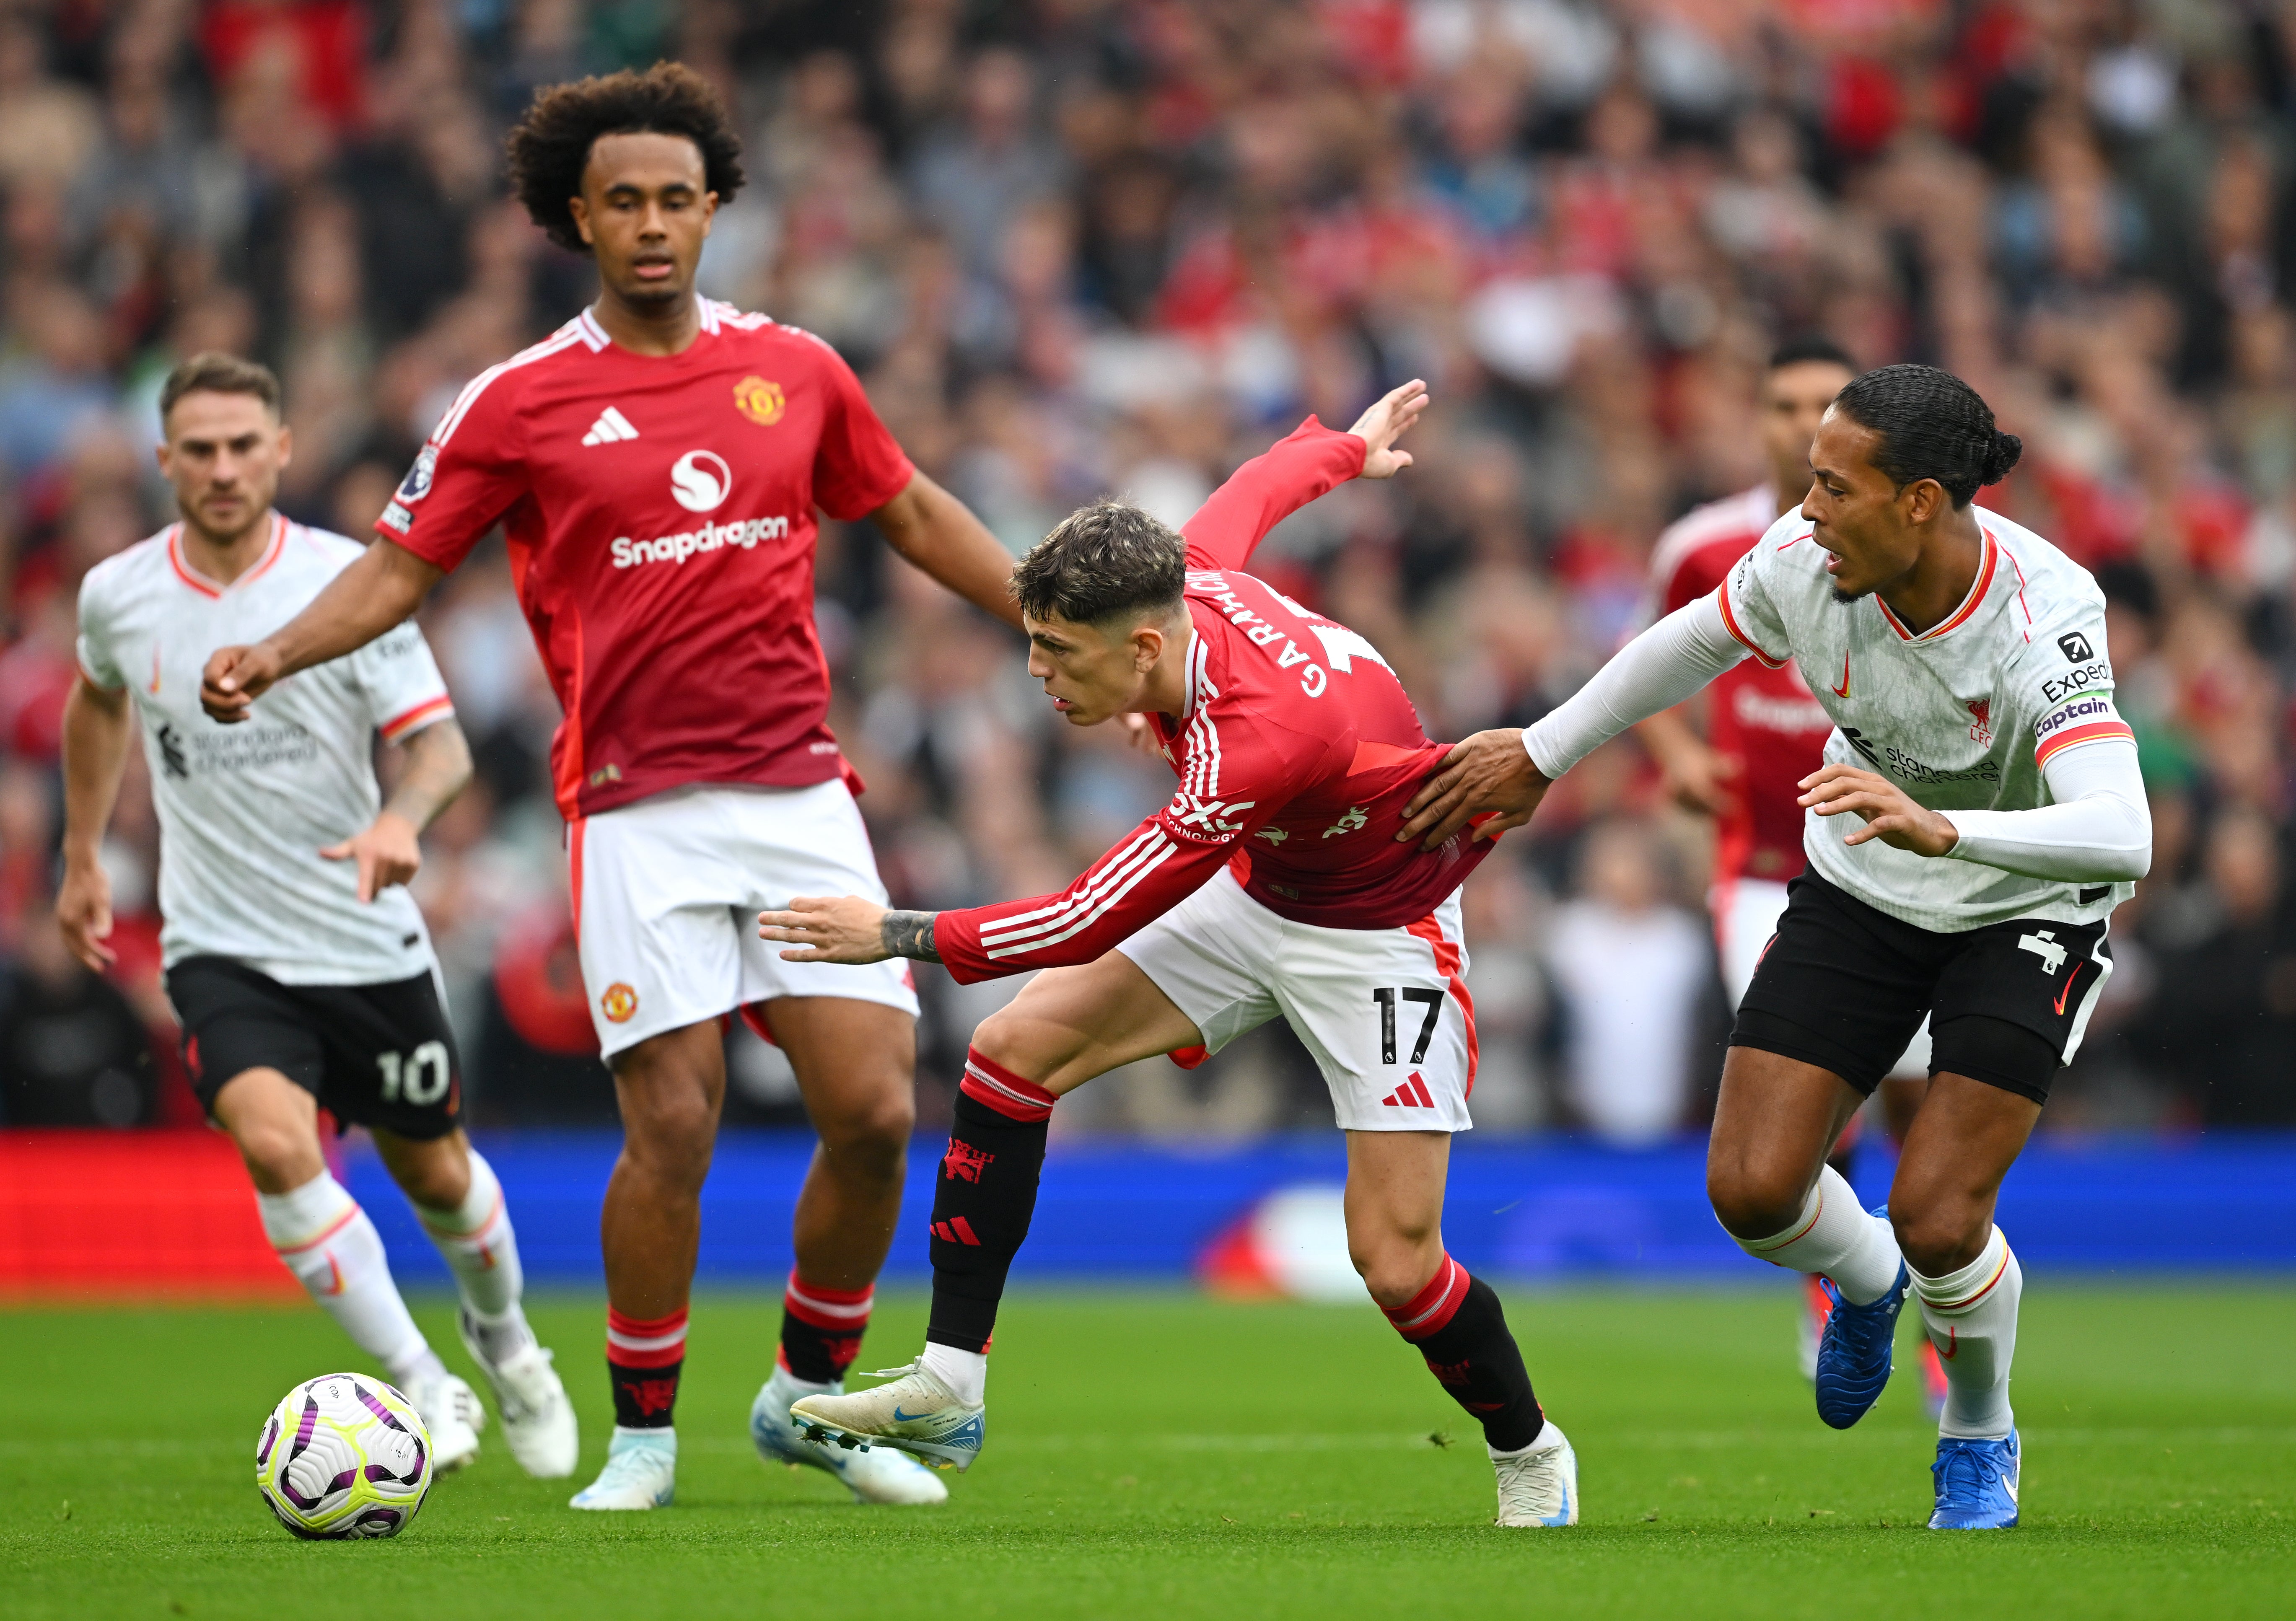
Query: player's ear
{"type": "Point", "coordinates": [1147, 647]}
{"type": "Point", "coordinates": [286, 446]}
{"type": "Point", "coordinates": [579, 209]}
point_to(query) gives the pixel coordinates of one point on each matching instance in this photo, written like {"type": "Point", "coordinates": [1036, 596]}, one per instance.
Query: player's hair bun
{"type": "Point", "coordinates": [2006, 448]}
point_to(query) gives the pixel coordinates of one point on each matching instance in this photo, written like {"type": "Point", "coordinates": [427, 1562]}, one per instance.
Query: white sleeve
{"type": "Point", "coordinates": [1655, 671]}
{"type": "Point", "coordinates": [94, 647]}
{"type": "Point", "coordinates": [405, 691]}
{"type": "Point", "coordinates": [2099, 831]}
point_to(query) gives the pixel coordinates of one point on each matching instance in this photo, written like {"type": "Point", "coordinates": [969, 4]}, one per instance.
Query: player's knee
{"type": "Point", "coordinates": [1751, 1201]}
{"type": "Point", "coordinates": [1940, 1238]}
{"type": "Point", "coordinates": [872, 1134]}
{"type": "Point", "coordinates": [1394, 1263]}
{"type": "Point", "coordinates": [437, 1177]}
{"type": "Point", "coordinates": [671, 1130]}
{"type": "Point", "coordinates": [1014, 1043]}
{"type": "Point", "coordinates": [278, 1154]}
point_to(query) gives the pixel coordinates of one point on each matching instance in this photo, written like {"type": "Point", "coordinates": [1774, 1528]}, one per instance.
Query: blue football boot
{"type": "Point", "coordinates": [1854, 1355]}
{"type": "Point", "coordinates": [1976, 1484]}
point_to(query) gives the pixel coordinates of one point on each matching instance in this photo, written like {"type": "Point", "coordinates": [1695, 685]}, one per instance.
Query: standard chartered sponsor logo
{"type": "Point", "coordinates": [250, 748]}
{"type": "Point", "coordinates": [744, 533]}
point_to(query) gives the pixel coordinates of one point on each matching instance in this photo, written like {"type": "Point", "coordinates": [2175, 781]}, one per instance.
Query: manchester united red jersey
{"type": "Point", "coordinates": [1296, 753]}
{"type": "Point", "coordinates": [659, 511]}
{"type": "Point", "coordinates": [1765, 720]}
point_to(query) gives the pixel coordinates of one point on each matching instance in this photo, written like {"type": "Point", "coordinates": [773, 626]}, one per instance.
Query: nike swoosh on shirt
{"type": "Point", "coordinates": [1843, 689]}
{"type": "Point", "coordinates": [1952, 1346]}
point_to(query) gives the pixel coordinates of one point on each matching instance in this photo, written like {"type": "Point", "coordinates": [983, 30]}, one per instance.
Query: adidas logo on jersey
{"type": "Point", "coordinates": [611, 428]}
{"type": "Point", "coordinates": [1412, 1094]}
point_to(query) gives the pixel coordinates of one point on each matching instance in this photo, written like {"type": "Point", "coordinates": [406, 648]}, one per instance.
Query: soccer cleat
{"type": "Point", "coordinates": [1539, 1488]}
{"type": "Point", "coordinates": [873, 1474]}
{"type": "Point", "coordinates": [537, 1420]}
{"type": "Point", "coordinates": [641, 1472]}
{"type": "Point", "coordinates": [1976, 1484]}
{"type": "Point", "coordinates": [451, 1413]}
{"type": "Point", "coordinates": [1854, 1355]}
{"type": "Point", "coordinates": [916, 1413]}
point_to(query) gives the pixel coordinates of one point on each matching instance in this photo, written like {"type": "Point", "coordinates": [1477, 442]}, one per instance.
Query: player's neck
{"type": "Point", "coordinates": [658, 328]}
{"type": "Point", "coordinates": [223, 557]}
{"type": "Point", "coordinates": [1940, 579]}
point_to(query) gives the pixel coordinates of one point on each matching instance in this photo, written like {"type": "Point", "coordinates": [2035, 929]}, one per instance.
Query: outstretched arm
{"type": "Point", "coordinates": [378, 591]}
{"type": "Point", "coordinates": [97, 731]}
{"type": "Point", "coordinates": [939, 532]}
{"type": "Point", "coordinates": [388, 849]}
{"type": "Point", "coordinates": [1295, 471]}
{"type": "Point", "coordinates": [1502, 774]}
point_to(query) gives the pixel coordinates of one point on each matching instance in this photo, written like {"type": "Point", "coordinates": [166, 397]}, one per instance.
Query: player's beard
{"type": "Point", "coordinates": [1850, 598]}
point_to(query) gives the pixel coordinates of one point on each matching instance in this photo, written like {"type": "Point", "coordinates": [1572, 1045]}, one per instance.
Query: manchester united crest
{"type": "Point", "coordinates": [618, 1001]}
{"type": "Point", "coordinates": [760, 401]}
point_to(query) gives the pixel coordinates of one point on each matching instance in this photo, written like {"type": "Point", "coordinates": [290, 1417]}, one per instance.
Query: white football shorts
{"type": "Point", "coordinates": [667, 894]}
{"type": "Point", "coordinates": [1746, 912]}
{"type": "Point", "coordinates": [1385, 1011]}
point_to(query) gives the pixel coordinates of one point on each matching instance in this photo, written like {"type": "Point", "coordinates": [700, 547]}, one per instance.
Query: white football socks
{"type": "Point", "coordinates": [1834, 1236]}
{"type": "Point", "coordinates": [327, 1241]}
{"type": "Point", "coordinates": [482, 1249]}
{"type": "Point", "coordinates": [965, 1373]}
{"type": "Point", "coordinates": [1972, 1318]}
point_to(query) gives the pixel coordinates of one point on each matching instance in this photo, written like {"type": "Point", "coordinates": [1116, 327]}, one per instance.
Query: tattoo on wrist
{"type": "Point", "coordinates": [910, 934]}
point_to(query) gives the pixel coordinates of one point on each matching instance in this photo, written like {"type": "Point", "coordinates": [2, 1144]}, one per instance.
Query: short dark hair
{"type": "Point", "coordinates": [1102, 563]}
{"type": "Point", "coordinates": [551, 145]}
{"type": "Point", "coordinates": [213, 371]}
{"type": "Point", "coordinates": [1932, 425]}
{"type": "Point", "coordinates": [1811, 348]}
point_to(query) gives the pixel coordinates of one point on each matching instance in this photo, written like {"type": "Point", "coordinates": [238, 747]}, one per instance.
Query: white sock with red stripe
{"type": "Point", "coordinates": [1971, 1319]}
{"type": "Point", "coordinates": [1835, 1236]}
{"type": "Point", "coordinates": [481, 1250]}
{"type": "Point", "coordinates": [327, 1241]}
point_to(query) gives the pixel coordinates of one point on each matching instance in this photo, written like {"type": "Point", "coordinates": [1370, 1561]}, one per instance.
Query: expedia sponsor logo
{"type": "Point", "coordinates": [2073, 683]}
{"type": "Point", "coordinates": [741, 533]}
{"type": "Point", "coordinates": [2073, 712]}
{"type": "Point", "coordinates": [2076, 648]}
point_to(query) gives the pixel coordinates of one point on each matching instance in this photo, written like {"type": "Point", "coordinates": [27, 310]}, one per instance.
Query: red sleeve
{"type": "Point", "coordinates": [858, 466]}
{"type": "Point", "coordinates": [470, 472]}
{"type": "Point", "coordinates": [1696, 573]}
{"type": "Point", "coordinates": [1166, 859]}
{"type": "Point", "coordinates": [1267, 490]}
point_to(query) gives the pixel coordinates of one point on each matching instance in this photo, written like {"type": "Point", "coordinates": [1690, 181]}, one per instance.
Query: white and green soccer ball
{"type": "Point", "coordinates": [344, 1455]}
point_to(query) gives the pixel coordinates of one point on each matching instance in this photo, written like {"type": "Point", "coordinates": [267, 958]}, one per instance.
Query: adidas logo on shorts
{"type": "Point", "coordinates": [1412, 1094]}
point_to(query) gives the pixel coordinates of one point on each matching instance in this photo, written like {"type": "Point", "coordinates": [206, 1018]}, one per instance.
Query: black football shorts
{"type": "Point", "coordinates": [1844, 986]}
{"type": "Point", "coordinates": [381, 1055]}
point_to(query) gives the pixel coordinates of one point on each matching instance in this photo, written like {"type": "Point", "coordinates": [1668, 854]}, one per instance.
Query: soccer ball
{"type": "Point", "coordinates": [343, 1455]}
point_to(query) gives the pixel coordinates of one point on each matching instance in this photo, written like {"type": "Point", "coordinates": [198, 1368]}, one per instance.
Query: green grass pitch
{"type": "Point", "coordinates": [1159, 1455]}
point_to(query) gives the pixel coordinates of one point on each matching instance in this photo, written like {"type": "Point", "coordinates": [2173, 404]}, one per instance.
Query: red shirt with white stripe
{"type": "Point", "coordinates": [659, 511]}
{"type": "Point", "coordinates": [1296, 754]}
{"type": "Point", "coordinates": [1765, 720]}
{"type": "Point", "coordinates": [245, 809]}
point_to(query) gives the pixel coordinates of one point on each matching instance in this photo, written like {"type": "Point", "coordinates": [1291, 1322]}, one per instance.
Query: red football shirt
{"type": "Point", "coordinates": [661, 517]}
{"type": "Point", "coordinates": [1296, 753]}
{"type": "Point", "coordinates": [1765, 720]}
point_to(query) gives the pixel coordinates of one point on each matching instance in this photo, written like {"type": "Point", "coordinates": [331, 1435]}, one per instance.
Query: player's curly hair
{"type": "Point", "coordinates": [551, 145]}
{"type": "Point", "coordinates": [1932, 425]}
{"type": "Point", "coordinates": [1102, 563]}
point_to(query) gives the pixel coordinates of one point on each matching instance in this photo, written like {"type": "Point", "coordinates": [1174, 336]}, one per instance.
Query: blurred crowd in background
{"type": "Point", "coordinates": [1081, 246]}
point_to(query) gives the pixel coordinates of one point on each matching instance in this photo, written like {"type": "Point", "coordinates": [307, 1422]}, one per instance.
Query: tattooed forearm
{"type": "Point", "coordinates": [910, 934]}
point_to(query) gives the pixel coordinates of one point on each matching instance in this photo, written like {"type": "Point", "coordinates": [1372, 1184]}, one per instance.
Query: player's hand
{"type": "Point", "coordinates": [84, 913]}
{"type": "Point", "coordinates": [844, 929]}
{"type": "Point", "coordinates": [389, 851]}
{"type": "Point", "coordinates": [1697, 778]}
{"type": "Point", "coordinates": [1488, 780]}
{"type": "Point", "coordinates": [1381, 426]}
{"type": "Point", "coordinates": [1891, 813]}
{"type": "Point", "coordinates": [234, 678]}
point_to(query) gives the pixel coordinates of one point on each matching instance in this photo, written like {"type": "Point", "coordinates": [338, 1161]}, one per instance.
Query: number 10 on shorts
{"type": "Point", "coordinates": [420, 1078]}
{"type": "Point", "coordinates": [1386, 996]}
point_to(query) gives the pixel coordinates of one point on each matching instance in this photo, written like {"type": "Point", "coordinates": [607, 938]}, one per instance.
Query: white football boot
{"type": "Point", "coordinates": [1539, 1488]}
{"type": "Point", "coordinates": [641, 1472]}
{"type": "Point", "coordinates": [537, 1420]}
{"type": "Point", "coordinates": [916, 1413]}
{"type": "Point", "coordinates": [451, 1413]}
{"type": "Point", "coordinates": [876, 1474]}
